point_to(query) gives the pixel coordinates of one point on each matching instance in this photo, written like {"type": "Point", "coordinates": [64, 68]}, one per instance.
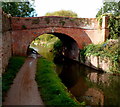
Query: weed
{"type": "Point", "coordinates": [24, 27]}
{"type": "Point", "coordinates": [35, 21]}
{"type": "Point", "coordinates": [62, 22]}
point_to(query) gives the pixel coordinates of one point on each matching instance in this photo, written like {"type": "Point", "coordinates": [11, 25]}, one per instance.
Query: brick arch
{"type": "Point", "coordinates": [79, 36]}
{"type": "Point", "coordinates": [83, 30]}
{"type": "Point", "coordinates": [22, 38]}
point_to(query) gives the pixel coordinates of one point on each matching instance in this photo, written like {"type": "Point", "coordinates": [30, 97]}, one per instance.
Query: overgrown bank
{"type": "Point", "coordinates": [52, 90]}
{"type": "Point", "coordinates": [14, 65]}
{"type": "Point", "coordinates": [107, 52]}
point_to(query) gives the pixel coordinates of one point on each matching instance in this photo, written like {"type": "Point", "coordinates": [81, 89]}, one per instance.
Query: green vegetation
{"type": "Point", "coordinates": [111, 9]}
{"type": "Point", "coordinates": [113, 25]}
{"type": "Point", "coordinates": [108, 50]}
{"type": "Point", "coordinates": [46, 40]}
{"type": "Point", "coordinates": [66, 13]}
{"type": "Point", "coordinates": [24, 27]}
{"type": "Point", "coordinates": [14, 65]}
{"type": "Point", "coordinates": [19, 9]}
{"type": "Point", "coordinates": [50, 41]}
{"type": "Point", "coordinates": [52, 90]}
{"type": "Point", "coordinates": [57, 48]}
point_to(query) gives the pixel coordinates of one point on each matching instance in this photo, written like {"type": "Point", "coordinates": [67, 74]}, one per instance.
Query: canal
{"type": "Point", "coordinates": [88, 85]}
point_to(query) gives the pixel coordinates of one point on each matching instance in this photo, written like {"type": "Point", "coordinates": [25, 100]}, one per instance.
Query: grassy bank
{"type": "Point", "coordinates": [14, 65]}
{"type": "Point", "coordinates": [52, 90]}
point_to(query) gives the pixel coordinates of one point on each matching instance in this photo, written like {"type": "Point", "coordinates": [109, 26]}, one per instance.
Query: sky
{"type": "Point", "coordinates": [83, 8]}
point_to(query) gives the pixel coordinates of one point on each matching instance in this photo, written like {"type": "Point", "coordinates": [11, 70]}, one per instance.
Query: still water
{"type": "Point", "coordinates": [86, 84]}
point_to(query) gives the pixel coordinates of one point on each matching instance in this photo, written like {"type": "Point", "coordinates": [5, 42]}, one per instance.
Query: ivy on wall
{"type": "Point", "coordinates": [113, 25]}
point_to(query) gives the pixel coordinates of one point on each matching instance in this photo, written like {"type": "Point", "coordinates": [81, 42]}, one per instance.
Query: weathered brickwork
{"type": "Point", "coordinates": [83, 30]}
{"type": "Point", "coordinates": [22, 39]}
{"type": "Point", "coordinates": [5, 44]}
{"type": "Point", "coordinates": [19, 23]}
{"type": "Point", "coordinates": [6, 49]}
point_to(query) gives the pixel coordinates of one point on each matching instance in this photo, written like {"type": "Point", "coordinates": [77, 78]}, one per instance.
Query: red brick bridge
{"type": "Point", "coordinates": [74, 32]}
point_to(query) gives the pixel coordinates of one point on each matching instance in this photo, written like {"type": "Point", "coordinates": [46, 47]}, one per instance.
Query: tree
{"type": "Point", "coordinates": [66, 13]}
{"type": "Point", "coordinates": [113, 8]}
{"type": "Point", "coordinates": [110, 7]}
{"type": "Point", "coordinates": [18, 9]}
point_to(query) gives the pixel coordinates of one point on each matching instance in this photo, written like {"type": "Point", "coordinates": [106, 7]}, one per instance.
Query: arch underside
{"type": "Point", "coordinates": [22, 38]}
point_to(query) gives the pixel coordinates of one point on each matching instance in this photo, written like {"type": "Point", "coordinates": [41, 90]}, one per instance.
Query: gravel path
{"type": "Point", "coordinates": [24, 90]}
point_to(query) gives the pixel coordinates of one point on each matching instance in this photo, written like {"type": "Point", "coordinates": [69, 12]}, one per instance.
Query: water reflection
{"type": "Point", "coordinates": [89, 85]}
{"type": "Point", "coordinates": [74, 78]}
{"type": "Point", "coordinates": [86, 84]}
{"type": "Point", "coordinates": [99, 78]}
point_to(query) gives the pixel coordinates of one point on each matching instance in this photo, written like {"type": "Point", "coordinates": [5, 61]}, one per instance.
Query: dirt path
{"type": "Point", "coordinates": [24, 90]}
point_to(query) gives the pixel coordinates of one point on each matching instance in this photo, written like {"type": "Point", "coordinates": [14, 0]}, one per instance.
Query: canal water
{"type": "Point", "coordinates": [88, 85]}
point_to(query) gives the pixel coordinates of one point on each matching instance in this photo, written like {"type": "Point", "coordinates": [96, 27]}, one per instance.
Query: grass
{"type": "Point", "coordinates": [53, 91]}
{"type": "Point", "coordinates": [8, 76]}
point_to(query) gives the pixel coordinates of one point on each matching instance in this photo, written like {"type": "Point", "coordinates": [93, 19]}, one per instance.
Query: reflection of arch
{"type": "Point", "coordinates": [94, 96]}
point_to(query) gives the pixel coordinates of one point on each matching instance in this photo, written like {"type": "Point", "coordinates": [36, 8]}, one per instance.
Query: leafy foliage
{"type": "Point", "coordinates": [46, 37]}
{"type": "Point", "coordinates": [110, 7]}
{"type": "Point", "coordinates": [57, 48]}
{"type": "Point", "coordinates": [53, 91]}
{"type": "Point", "coordinates": [66, 13]}
{"type": "Point", "coordinates": [46, 40]}
{"type": "Point", "coordinates": [113, 25]}
{"type": "Point", "coordinates": [18, 9]}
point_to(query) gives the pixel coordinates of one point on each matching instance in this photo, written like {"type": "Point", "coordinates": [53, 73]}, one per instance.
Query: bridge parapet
{"type": "Point", "coordinates": [19, 23]}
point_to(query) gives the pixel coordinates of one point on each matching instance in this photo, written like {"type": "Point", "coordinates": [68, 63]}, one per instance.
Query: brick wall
{"type": "Point", "coordinates": [5, 44]}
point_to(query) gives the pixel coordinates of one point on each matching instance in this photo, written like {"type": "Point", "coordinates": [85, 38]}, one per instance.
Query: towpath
{"type": "Point", "coordinates": [24, 90]}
